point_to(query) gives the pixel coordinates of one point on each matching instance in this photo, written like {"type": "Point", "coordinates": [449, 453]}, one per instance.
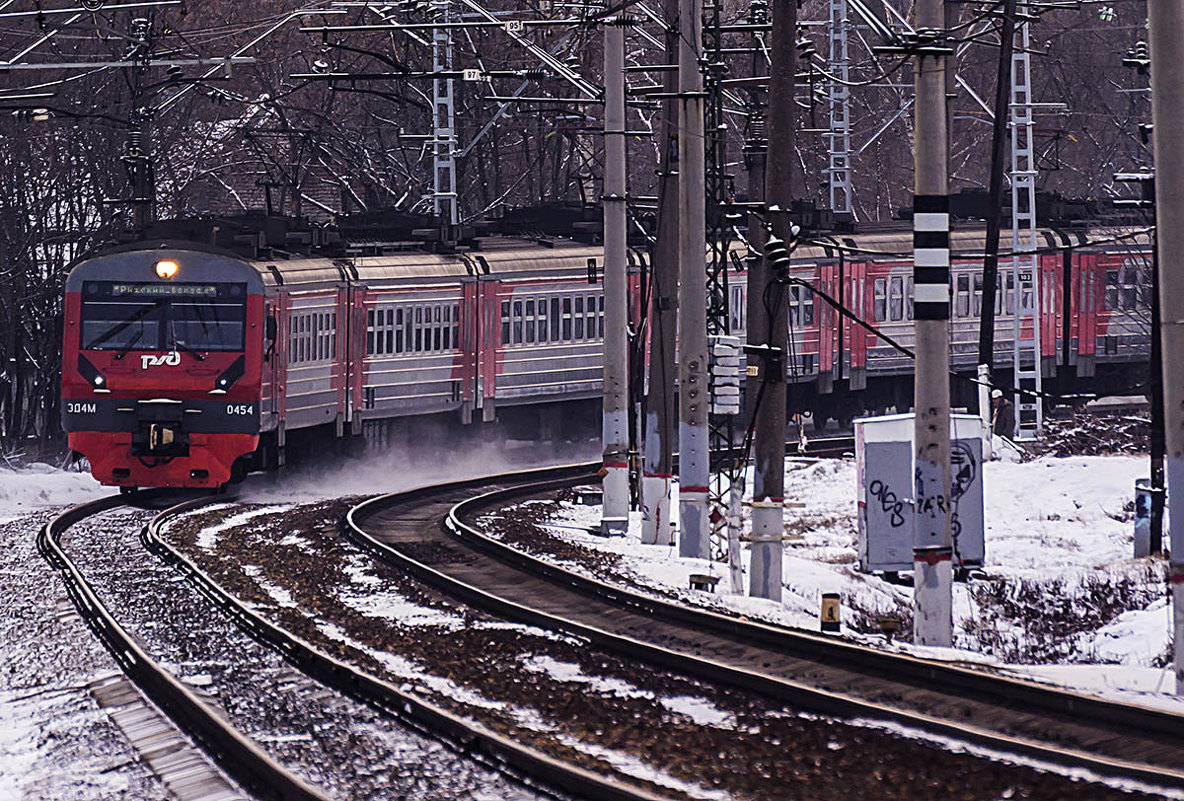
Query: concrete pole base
{"type": "Point", "coordinates": [615, 515]}
{"type": "Point", "coordinates": [656, 526]}
{"type": "Point", "coordinates": [694, 540]}
{"type": "Point", "coordinates": [768, 525]}
{"type": "Point", "coordinates": [933, 583]}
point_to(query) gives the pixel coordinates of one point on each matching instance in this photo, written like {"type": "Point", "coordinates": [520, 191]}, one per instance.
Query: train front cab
{"type": "Point", "coordinates": [161, 366]}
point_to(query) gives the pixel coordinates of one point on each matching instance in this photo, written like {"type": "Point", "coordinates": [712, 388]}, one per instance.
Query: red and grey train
{"type": "Point", "coordinates": [188, 366]}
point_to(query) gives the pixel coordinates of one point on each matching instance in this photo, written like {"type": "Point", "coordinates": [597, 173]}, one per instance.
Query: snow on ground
{"type": "Point", "coordinates": [1059, 587]}
{"type": "Point", "coordinates": [35, 486]}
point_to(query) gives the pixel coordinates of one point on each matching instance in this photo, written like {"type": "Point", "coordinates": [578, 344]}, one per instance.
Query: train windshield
{"type": "Point", "coordinates": [198, 318]}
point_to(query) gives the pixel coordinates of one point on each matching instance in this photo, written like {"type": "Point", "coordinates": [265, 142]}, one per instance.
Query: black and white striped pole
{"type": "Point", "coordinates": [615, 431]}
{"type": "Point", "coordinates": [932, 544]}
{"type": "Point", "coordinates": [1166, 21]}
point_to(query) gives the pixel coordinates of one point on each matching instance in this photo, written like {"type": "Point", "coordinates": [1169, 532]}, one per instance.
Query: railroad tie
{"type": "Point", "coordinates": [183, 768]}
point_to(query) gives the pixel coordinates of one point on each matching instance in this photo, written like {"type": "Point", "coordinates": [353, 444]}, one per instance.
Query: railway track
{"type": "Point", "coordinates": [236, 754]}
{"type": "Point", "coordinates": [825, 675]}
{"type": "Point", "coordinates": [244, 759]}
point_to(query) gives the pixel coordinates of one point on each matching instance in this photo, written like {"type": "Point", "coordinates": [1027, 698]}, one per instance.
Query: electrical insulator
{"type": "Point", "coordinates": [723, 374]}
{"type": "Point", "coordinates": [777, 255]}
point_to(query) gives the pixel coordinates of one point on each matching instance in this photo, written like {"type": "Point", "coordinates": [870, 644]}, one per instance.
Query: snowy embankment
{"type": "Point", "coordinates": [1060, 597]}
{"type": "Point", "coordinates": [36, 486]}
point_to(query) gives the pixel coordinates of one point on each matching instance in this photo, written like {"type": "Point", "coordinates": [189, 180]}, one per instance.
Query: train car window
{"type": "Point", "coordinates": [456, 326]}
{"type": "Point", "coordinates": [896, 298]}
{"type": "Point", "coordinates": [407, 326]}
{"type": "Point", "coordinates": [795, 307]}
{"type": "Point", "coordinates": [591, 316]}
{"type": "Point", "coordinates": [579, 318]}
{"type": "Point", "coordinates": [736, 309]}
{"type": "Point", "coordinates": [807, 306]}
{"type": "Point", "coordinates": [1027, 302]}
{"type": "Point", "coordinates": [1009, 293]}
{"type": "Point", "coordinates": [542, 319]}
{"type": "Point", "coordinates": [418, 329]}
{"type": "Point", "coordinates": [447, 328]}
{"type": "Point", "coordinates": [333, 335]}
{"type": "Point", "coordinates": [530, 322]}
{"type": "Point", "coordinates": [908, 298]}
{"type": "Point", "coordinates": [555, 319]}
{"type": "Point", "coordinates": [962, 296]}
{"type": "Point", "coordinates": [517, 317]}
{"type": "Point", "coordinates": [1110, 301]}
{"type": "Point", "coordinates": [437, 328]}
{"type": "Point", "coordinates": [505, 322]}
{"type": "Point", "coordinates": [370, 332]}
{"type": "Point", "coordinates": [977, 298]}
{"type": "Point", "coordinates": [600, 317]}
{"type": "Point", "coordinates": [879, 297]}
{"type": "Point", "coordinates": [1130, 287]}
{"type": "Point", "coordinates": [399, 330]}
{"type": "Point", "coordinates": [567, 319]}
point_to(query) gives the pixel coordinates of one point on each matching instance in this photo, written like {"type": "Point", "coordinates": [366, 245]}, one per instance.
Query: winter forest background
{"type": "Point", "coordinates": [257, 137]}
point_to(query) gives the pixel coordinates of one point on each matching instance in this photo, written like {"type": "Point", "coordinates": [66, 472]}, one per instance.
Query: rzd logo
{"type": "Point", "coordinates": [171, 359]}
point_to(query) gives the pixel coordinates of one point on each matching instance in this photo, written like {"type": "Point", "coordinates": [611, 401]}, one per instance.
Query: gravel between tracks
{"type": "Point", "coordinates": [55, 741]}
{"type": "Point", "coordinates": [339, 745]}
{"type": "Point", "coordinates": [685, 739]}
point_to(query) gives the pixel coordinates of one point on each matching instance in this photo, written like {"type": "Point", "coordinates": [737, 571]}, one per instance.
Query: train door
{"type": "Point", "coordinates": [271, 365]}
{"type": "Point", "coordinates": [355, 356]}
{"type": "Point", "coordinates": [1049, 290]}
{"type": "Point", "coordinates": [860, 303]}
{"type": "Point", "coordinates": [825, 315]}
{"type": "Point", "coordinates": [1090, 288]}
{"type": "Point", "coordinates": [470, 351]}
{"type": "Point", "coordinates": [488, 342]}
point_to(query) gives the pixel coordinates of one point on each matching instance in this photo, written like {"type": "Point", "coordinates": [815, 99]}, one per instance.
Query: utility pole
{"type": "Point", "coordinates": [615, 431]}
{"type": "Point", "coordinates": [656, 527]}
{"type": "Point", "coordinates": [693, 395]}
{"type": "Point", "coordinates": [768, 490]}
{"type": "Point", "coordinates": [1166, 22]}
{"type": "Point", "coordinates": [932, 545]}
{"type": "Point", "coordinates": [986, 326]}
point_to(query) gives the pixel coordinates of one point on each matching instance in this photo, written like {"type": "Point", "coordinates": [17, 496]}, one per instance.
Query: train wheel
{"type": "Point", "coordinates": [238, 470]}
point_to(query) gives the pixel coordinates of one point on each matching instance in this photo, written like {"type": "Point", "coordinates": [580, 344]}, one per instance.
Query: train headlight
{"type": "Point", "coordinates": [167, 268]}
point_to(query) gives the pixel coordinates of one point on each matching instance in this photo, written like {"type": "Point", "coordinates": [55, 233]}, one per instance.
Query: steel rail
{"type": "Point", "coordinates": [955, 681]}
{"type": "Point", "coordinates": [465, 736]}
{"type": "Point", "coordinates": [238, 755]}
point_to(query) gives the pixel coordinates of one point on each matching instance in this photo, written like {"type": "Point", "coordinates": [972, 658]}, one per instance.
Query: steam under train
{"type": "Point", "coordinates": [190, 365]}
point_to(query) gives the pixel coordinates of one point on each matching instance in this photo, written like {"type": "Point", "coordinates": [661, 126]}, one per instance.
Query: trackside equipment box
{"type": "Point", "coordinates": [884, 464]}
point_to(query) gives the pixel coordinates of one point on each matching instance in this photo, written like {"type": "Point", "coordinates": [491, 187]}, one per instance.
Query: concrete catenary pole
{"type": "Point", "coordinates": [693, 469]}
{"type": "Point", "coordinates": [1167, 114]}
{"type": "Point", "coordinates": [615, 432]}
{"type": "Point", "coordinates": [768, 489]}
{"type": "Point", "coordinates": [656, 525]}
{"type": "Point", "coordinates": [932, 548]}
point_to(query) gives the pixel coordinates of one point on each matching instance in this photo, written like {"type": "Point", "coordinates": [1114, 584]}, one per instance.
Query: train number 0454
{"type": "Point", "coordinates": [240, 408]}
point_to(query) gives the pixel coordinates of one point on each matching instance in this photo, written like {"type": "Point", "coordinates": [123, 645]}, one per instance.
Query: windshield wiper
{"type": "Point", "coordinates": [123, 351]}
{"type": "Point", "coordinates": [179, 344]}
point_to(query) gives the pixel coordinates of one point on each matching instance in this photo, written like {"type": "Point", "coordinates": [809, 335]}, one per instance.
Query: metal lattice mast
{"type": "Point", "coordinates": [839, 170]}
{"type": "Point", "coordinates": [1025, 275]}
{"type": "Point", "coordinates": [443, 118]}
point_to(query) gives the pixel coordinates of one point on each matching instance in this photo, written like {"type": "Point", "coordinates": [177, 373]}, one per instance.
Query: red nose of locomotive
{"type": "Point", "coordinates": [161, 366]}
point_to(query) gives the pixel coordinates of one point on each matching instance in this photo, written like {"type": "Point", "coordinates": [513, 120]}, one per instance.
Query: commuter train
{"type": "Point", "coordinates": [186, 365]}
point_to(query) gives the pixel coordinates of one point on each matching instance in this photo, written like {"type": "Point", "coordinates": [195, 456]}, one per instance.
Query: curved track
{"type": "Point", "coordinates": [809, 671]}
{"type": "Point", "coordinates": [235, 753]}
